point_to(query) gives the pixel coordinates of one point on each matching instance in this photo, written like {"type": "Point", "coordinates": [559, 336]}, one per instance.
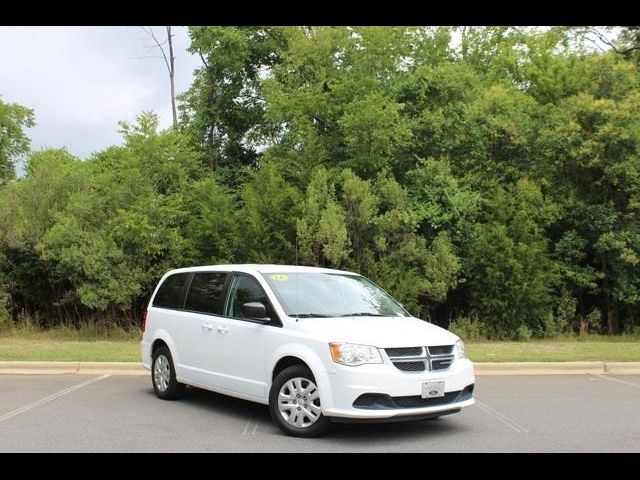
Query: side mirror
{"type": "Point", "coordinates": [255, 311]}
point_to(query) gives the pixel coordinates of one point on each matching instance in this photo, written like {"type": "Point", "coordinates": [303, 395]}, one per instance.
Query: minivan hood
{"type": "Point", "coordinates": [381, 332]}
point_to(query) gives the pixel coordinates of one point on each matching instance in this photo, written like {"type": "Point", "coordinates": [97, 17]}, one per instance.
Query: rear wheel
{"type": "Point", "coordinates": [163, 376]}
{"type": "Point", "coordinates": [294, 403]}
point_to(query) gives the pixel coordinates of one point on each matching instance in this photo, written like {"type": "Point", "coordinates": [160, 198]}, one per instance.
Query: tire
{"type": "Point", "coordinates": [164, 381]}
{"type": "Point", "coordinates": [307, 421]}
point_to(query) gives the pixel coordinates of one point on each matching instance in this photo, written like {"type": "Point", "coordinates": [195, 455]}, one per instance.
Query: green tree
{"type": "Point", "coordinates": [270, 207]}
{"type": "Point", "coordinates": [496, 178]}
{"type": "Point", "coordinates": [440, 202]}
{"type": "Point", "coordinates": [322, 229]}
{"type": "Point", "coordinates": [511, 275]}
{"type": "Point", "coordinates": [213, 225]}
{"type": "Point", "coordinates": [29, 208]}
{"type": "Point", "coordinates": [331, 99]}
{"type": "Point", "coordinates": [386, 244]}
{"type": "Point", "coordinates": [361, 208]}
{"type": "Point", "coordinates": [223, 109]}
{"type": "Point", "coordinates": [591, 143]}
{"type": "Point", "coordinates": [95, 236]}
{"type": "Point", "coordinates": [14, 119]}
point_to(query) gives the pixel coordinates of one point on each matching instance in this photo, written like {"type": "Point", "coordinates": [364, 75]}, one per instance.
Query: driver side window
{"type": "Point", "coordinates": [244, 290]}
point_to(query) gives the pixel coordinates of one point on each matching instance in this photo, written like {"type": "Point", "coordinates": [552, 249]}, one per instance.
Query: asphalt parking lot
{"type": "Point", "coordinates": [77, 413]}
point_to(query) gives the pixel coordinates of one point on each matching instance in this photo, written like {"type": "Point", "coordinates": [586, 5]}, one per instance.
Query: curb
{"type": "Point", "coordinates": [67, 368]}
{"type": "Point", "coordinates": [622, 368]}
{"type": "Point", "coordinates": [481, 368]}
{"type": "Point", "coordinates": [541, 368]}
{"type": "Point", "coordinates": [557, 368]}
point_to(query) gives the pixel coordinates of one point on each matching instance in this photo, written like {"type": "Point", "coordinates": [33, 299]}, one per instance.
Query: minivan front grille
{"type": "Point", "coordinates": [440, 350]}
{"type": "Point", "coordinates": [405, 352]}
{"type": "Point", "coordinates": [421, 359]}
{"type": "Point", "coordinates": [411, 366]}
{"type": "Point", "coordinates": [441, 364]}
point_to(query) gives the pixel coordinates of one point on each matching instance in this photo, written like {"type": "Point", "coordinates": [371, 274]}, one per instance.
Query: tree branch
{"type": "Point", "coordinates": [146, 56]}
{"type": "Point", "coordinates": [602, 38]}
{"type": "Point", "coordinates": [169, 62]}
{"type": "Point", "coordinates": [206, 65]}
{"type": "Point", "coordinates": [149, 31]}
{"type": "Point", "coordinates": [597, 45]}
{"type": "Point", "coordinates": [629, 50]}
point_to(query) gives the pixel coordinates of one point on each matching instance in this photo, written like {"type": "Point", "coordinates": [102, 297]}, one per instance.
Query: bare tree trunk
{"type": "Point", "coordinates": [583, 326]}
{"type": "Point", "coordinates": [172, 72]}
{"type": "Point", "coordinates": [169, 61]}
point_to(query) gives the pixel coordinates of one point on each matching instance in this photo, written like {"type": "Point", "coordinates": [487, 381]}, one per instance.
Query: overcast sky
{"type": "Point", "coordinates": [81, 81]}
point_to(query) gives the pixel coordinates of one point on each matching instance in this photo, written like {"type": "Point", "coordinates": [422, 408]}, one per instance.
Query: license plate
{"type": "Point", "coordinates": [433, 389]}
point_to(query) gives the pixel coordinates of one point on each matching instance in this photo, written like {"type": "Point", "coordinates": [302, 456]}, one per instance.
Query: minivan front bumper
{"type": "Point", "coordinates": [382, 391]}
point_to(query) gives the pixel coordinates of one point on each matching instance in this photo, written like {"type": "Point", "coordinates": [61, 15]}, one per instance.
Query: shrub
{"type": "Point", "coordinates": [632, 330]}
{"type": "Point", "coordinates": [551, 326]}
{"type": "Point", "coordinates": [566, 313]}
{"type": "Point", "coordinates": [523, 332]}
{"type": "Point", "coordinates": [5, 315]}
{"type": "Point", "coordinates": [469, 328]}
{"type": "Point", "coordinates": [593, 321]}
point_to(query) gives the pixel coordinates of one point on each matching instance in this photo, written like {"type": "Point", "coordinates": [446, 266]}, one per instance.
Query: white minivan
{"type": "Point", "coordinates": [316, 345]}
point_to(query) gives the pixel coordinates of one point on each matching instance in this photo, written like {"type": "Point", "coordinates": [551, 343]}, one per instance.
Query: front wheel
{"type": "Point", "coordinates": [163, 376]}
{"type": "Point", "coordinates": [294, 403]}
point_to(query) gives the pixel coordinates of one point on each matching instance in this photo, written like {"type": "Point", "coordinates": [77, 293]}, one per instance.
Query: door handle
{"type": "Point", "coordinates": [222, 329]}
{"type": "Point", "coordinates": [207, 327]}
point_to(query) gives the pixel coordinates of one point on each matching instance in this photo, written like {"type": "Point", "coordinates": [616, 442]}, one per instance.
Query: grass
{"type": "Point", "coordinates": [563, 349]}
{"type": "Point", "coordinates": [114, 344]}
{"type": "Point", "coordinates": [89, 343]}
{"type": "Point", "coordinates": [12, 348]}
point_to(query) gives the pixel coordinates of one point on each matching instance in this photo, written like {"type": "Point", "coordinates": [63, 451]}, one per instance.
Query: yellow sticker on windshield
{"type": "Point", "coordinates": [278, 277]}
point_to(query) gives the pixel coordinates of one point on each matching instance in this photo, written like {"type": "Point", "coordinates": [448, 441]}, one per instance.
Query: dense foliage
{"type": "Point", "coordinates": [493, 181]}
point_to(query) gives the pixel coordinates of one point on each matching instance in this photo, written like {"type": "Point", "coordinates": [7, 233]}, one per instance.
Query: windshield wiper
{"type": "Point", "coordinates": [363, 314]}
{"type": "Point", "coordinates": [311, 315]}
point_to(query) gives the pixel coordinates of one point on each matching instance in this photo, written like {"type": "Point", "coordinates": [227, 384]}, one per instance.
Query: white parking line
{"type": "Point", "coordinates": [502, 418]}
{"type": "Point", "coordinates": [251, 427]}
{"type": "Point", "coordinates": [618, 380]}
{"type": "Point", "coordinates": [48, 399]}
{"type": "Point", "coordinates": [246, 427]}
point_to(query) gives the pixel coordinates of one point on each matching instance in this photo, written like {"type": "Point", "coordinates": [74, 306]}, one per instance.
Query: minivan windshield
{"type": "Point", "coordinates": [331, 295]}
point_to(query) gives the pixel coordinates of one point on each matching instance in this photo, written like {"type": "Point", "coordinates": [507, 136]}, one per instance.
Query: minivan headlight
{"type": "Point", "coordinates": [353, 355]}
{"type": "Point", "coordinates": [460, 353]}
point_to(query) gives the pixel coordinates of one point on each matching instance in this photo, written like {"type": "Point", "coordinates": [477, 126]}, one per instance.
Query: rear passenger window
{"type": "Point", "coordinates": [206, 293]}
{"type": "Point", "coordinates": [170, 292]}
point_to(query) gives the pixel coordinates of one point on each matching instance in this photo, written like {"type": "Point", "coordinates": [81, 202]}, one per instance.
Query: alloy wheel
{"type": "Point", "coordinates": [299, 402]}
{"type": "Point", "coordinates": [162, 373]}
